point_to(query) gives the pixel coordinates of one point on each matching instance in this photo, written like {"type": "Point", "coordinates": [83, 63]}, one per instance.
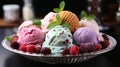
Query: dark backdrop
{"type": "Point", "coordinates": [42, 7]}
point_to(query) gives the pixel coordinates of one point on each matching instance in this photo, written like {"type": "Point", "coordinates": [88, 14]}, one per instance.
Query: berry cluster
{"type": "Point", "coordinates": [86, 48]}
{"type": "Point", "coordinates": [31, 48]}
{"type": "Point", "coordinates": [73, 50]}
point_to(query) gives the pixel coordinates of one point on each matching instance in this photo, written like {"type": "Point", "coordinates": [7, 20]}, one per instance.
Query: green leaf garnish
{"type": "Point", "coordinates": [9, 38]}
{"type": "Point", "coordinates": [37, 22]}
{"type": "Point", "coordinates": [61, 7]}
{"type": "Point", "coordinates": [52, 25]}
{"type": "Point", "coordinates": [57, 10]}
{"type": "Point", "coordinates": [86, 16]}
{"type": "Point", "coordinates": [83, 18]}
{"type": "Point", "coordinates": [91, 16]}
{"type": "Point", "coordinates": [58, 17]}
{"type": "Point", "coordinates": [64, 24]}
{"type": "Point", "coordinates": [83, 13]}
{"type": "Point", "coordinates": [57, 22]}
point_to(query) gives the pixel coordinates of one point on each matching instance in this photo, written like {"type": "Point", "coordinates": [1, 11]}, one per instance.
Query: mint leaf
{"type": "Point", "coordinates": [86, 16]}
{"type": "Point", "coordinates": [52, 25]}
{"type": "Point", "coordinates": [83, 18]}
{"type": "Point", "coordinates": [64, 24]}
{"type": "Point", "coordinates": [57, 10]}
{"type": "Point", "coordinates": [62, 5]}
{"type": "Point", "coordinates": [58, 18]}
{"type": "Point", "coordinates": [91, 16]}
{"type": "Point", "coordinates": [83, 14]}
{"type": "Point", "coordinates": [37, 22]}
{"type": "Point", "coordinates": [9, 38]}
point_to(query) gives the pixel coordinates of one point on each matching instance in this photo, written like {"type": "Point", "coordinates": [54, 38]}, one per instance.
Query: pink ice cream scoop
{"type": "Point", "coordinates": [50, 17]}
{"type": "Point", "coordinates": [85, 35]}
{"type": "Point", "coordinates": [25, 24]}
{"type": "Point", "coordinates": [31, 35]}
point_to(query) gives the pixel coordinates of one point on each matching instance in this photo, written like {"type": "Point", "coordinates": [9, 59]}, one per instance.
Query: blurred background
{"type": "Point", "coordinates": [106, 9]}
{"type": "Point", "coordinates": [42, 7]}
{"type": "Point", "coordinates": [107, 12]}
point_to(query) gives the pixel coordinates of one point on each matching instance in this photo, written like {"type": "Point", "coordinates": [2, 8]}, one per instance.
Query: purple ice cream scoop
{"type": "Point", "coordinates": [85, 35]}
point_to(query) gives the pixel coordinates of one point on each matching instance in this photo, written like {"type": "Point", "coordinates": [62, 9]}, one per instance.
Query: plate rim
{"type": "Point", "coordinates": [109, 48]}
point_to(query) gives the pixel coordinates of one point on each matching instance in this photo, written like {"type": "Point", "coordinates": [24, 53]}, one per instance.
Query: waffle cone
{"type": "Point", "coordinates": [71, 19]}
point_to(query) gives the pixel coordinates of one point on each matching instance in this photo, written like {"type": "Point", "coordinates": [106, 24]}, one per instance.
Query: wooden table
{"type": "Point", "coordinates": [4, 23]}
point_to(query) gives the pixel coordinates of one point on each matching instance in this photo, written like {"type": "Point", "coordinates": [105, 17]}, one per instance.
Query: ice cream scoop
{"type": "Point", "coordinates": [71, 19]}
{"type": "Point", "coordinates": [23, 25]}
{"type": "Point", "coordinates": [31, 35]}
{"type": "Point", "coordinates": [49, 18]}
{"type": "Point", "coordinates": [85, 35]}
{"type": "Point", "coordinates": [57, 39]}
{"type": "Point", "coordinates": [92, 24]}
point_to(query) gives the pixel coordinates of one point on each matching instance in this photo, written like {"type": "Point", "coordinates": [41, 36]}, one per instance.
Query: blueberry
{"type": "Point", "coordinates": [15, 45]}
{"type": "Point", "coordinates": [45, 50]}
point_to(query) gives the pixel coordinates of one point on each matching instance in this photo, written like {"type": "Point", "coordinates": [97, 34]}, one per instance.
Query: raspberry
{"type": "Point", "coordinates": [15, 45]}
{"type": "Point", "coordinates": [38, 49]}
{"type": "Point", "coordinates": [65, 51]}
{"type": "Point", "coordinates": [83, 49]}
{"type": "Point", "coordinates": [45, 50]}
{"type": "Point", "coordinates": [15, 38]}
{"type": "Point", "coordinates": [87, 47]}
{"type": "Point", "coordinates": [98, 47]}
{"type": "Point", "coordinates": [91, 47]}
{"type": "Point", "coordinates": [30, 48]}
{"type": "Point", "coordinates": [105, 37]}
{"type": "Point", "coordinates": [74, 50]}
{"type": "Point", "coordinates": [105, 44]}
{"type": "Point", "coordinates": [23, 47]}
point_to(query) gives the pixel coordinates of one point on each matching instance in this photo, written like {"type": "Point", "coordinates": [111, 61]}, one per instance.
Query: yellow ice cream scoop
{"type": "Point", "coordinates": [71, 19]}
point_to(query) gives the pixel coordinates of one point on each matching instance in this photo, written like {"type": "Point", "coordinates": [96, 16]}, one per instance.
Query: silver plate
{"type": "Point", "coordinates": [56, 59]}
